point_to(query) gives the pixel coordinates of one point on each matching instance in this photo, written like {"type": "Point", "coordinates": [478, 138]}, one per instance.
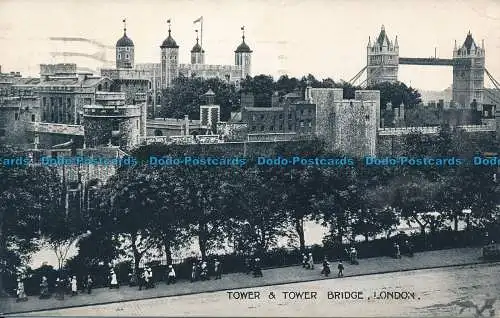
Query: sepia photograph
{"type": "Point", "coordinates": [251, 158]}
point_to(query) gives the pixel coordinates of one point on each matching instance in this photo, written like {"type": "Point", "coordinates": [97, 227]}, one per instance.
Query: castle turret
{"type": "Point", "coordinates": [382, 59]}
{"type": "Point", "coordinates": [169, 66]}
{"type": "Point", "coordinates": [197, 53]}
{"type": "Point", "coordinates": [124, 50]}
{"type": "Point", "coordinates": [243, 56]}
{"type": "Point", "coordinates": [468, 74]}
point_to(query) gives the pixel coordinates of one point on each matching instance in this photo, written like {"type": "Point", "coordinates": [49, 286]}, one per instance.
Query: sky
{"type": "Point", "coordinates": [326, 38]}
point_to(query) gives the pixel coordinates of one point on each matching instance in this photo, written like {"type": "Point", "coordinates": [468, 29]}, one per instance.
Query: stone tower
{"type": "Point", "coordinates": [169, 66]}
{"type": "Point", "coordinates": [382, 59]}
{"type": "Point", "coordinates": [468, 74]}
{"type": "Point", "coordinates": [197, 53]}
{"type": "Point", "coordinates": [124, 50]}
{"type": "Point", "coordinates": [243, 57]}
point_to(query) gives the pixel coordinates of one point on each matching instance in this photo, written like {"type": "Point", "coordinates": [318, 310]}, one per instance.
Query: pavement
{"type": "Point", "coordinates": [274, 276]}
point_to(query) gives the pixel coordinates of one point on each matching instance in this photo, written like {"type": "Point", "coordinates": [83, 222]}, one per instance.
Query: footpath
{"type": "Point", "coordinates": [274, 276]}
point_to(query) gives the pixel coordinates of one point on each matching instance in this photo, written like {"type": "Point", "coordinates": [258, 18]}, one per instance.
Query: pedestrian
{"type": "Point", "coordinates": [171, 275]}
{"type": "Point", "coordinates": [44, 288]}
{"type": "Point", "coordinates": [74, 287]}
{"type": "Point", "coordinates": [59, 287]}
{"type": "Point", "coordinates": [114, 280]}
{"type": "Point", "coordinates": [397, 250]}
{"type": "Point", "coordinates": [89, 284]}
{"type": "Point", "coordinates": [151, 280]}
{"type": "Point", "coordinates": [304, 260]}
{"type": "Point", "coordinates": [341, 269]}
{"type": "Point", "coordinates": [217, 269]}
{"type": "Point", "coordinates": [311, 261]}
{"type": "Point", "coordinates": [21, 294]}
{"type": "Point", "coordinates": [326, 267]}
{"type": "Point", "coordinates": [354, 256]}
{"type": "Point", "coordinates": [193, 272]}
{"type": "Point", "coordinates": [142, 279]}
{"type": "Point", "coordinates": [204, 271]}
{"type": "Point", "coordinates": [248, 266]}
{"type": "Point", "coordinates": [257, 271]}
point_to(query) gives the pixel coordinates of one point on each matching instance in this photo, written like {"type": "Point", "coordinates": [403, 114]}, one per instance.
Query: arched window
{"type": "Point", "coordinates": [158, 132]}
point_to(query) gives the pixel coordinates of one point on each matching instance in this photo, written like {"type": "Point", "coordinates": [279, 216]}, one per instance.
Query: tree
{"type": "Point", "coordinates": [26, 196]}
{"type": "Point", "coordinates": [171, 223]}
{"type": "Point", "coordinates": [186, 96]}
{"type": "Point", "coordinates": [337, 201]}
{"type": "Point", "coordinates": [261, 213]}
{"type": "Point", "coordinates": [208, 202]}
{"type": "Point", "coordinates": [415, 196]}
{"type": "Point", "coordinates": [262, 88]}
{"type": "Point", "coordinates": [127, 207]}
{"type": "Point", "coordinates": [397, 93]}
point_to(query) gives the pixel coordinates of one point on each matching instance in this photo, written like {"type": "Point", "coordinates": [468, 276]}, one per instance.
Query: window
{"type": "Point", "coordinates": [290, 116]}
{"type": "Point", "coordinates": [272, 128]}
{"type": "Point", "coordinates": [254, 128]}
{"type": "Point", "coordinates": [262, 116]}
{"type": "Point", "coordinates": [68, 101]}
{"type": "Point", "coordinates": [127, 56]}
{"type": "Point", "coordinates": [116, 126]}
{"type": "Point", "coordinates": [310, 124]}
{"type": "Point", "coordinates": [137, 124]}
{"type": "Point", "coordinates": [119, 56]}
{"type": "Point", "coordinates": [261, 128]}
{"type": "Point", "coordinates": [281, 127]}
{"type": "Point", "coordinates": [281, 116]}
{"type": "Point", "coordinates": [16, 116]}
{"type": "Point", "coordinates": [290, 127]}
{"type": "Point", "coordinates": [254, 118]}
{"type": "Point", "coordinates": [44, 101]}
{"type": "Point", "coordinates": [33, 117]}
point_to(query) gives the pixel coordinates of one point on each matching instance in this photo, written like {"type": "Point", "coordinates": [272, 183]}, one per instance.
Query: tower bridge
{"type": "Point", "coordinates": [468, 64]}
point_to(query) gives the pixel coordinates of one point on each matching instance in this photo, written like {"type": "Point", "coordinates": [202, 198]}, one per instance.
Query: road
{"type": "Point", "coordinates": [437, 292]}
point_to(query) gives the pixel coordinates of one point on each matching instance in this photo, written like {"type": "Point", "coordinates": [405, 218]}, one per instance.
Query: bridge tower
{"type": "Point", "coordinates": [468, 74]}
{"type": "Point", "coordinates": [382, 59]}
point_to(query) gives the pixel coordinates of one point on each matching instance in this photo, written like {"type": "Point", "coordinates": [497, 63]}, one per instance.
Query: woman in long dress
{"type": "Point", "coordinates": [114, 280]}
{"type": "Point", "coordinates": [74, 287]}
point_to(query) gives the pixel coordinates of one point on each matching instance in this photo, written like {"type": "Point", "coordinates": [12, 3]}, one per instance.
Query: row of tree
{"type": "Point", "coordinates": [186, 94]}
{"type": "Point", "coordinates": [145, 208]}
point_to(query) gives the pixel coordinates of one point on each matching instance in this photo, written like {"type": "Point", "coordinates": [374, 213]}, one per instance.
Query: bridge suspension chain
{"type": "Point", "coordinates": [357, 76]}
{"type": "Point", "coordinates": [492, 79]}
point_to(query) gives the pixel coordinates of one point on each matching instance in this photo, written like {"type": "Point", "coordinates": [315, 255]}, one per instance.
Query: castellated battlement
{"type": "Point", "coordinates": [348, 126]}
{"type": "Point", "coordinates": [112, 122]}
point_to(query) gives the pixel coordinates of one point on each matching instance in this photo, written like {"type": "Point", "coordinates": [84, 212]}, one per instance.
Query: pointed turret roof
{"type": "Point", "coordinates": [169, 41]}
{"type": "Point", "coordinates": [243, 47]}
{"type": "Point", "coordinates": [383, 38]}
{"type": "Point", "coordinates": [124, 41]}
{"type": "Point", "coordinates": [197, 48]}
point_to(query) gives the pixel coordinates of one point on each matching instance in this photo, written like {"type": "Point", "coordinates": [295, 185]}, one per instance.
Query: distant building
{"type": "Point", "coordinates": [468, 74]}
{"type": "Point", "coordinates": [382, 59]}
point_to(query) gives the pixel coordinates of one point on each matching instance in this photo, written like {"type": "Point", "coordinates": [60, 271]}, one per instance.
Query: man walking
{"type": "Point", "coordinates": [341, 269]}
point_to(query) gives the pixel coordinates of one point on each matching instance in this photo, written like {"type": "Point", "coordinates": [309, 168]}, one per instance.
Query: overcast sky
{"type": "Point", "coordinates": [327, 38]}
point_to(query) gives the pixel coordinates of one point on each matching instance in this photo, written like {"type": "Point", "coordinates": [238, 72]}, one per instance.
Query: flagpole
{"type": "Point", "coordinates": [201, 37]}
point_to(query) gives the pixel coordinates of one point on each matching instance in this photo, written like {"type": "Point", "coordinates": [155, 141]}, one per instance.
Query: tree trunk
{"type": "Point", "coordinates": [366, 237]}
{"type": "Point", "coordinates": [455, 222]}
{"type": "Point", "coordinates": [137, 255]}
{"type": "Point", "coordinates": [202, 240]}
{"type": "Point", "coordinates": [340, 228]}
{"type": "Point", "coordinates": [299, 227]}
{"type": "Point", "coordinates": [3, 258]}
{"type": "Point", "coordinates": [168, 251]}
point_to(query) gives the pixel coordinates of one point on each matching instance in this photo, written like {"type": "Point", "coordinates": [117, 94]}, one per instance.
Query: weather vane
{"type": "Point", "coordinates": [168, 21]}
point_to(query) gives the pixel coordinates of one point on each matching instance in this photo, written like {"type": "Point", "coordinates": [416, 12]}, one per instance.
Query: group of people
{"type": "Point", "coordinates": [253, 266]}
{"type": "Point", "coordinates": [308, 263]}
{"type": "Point", "coordinates": [200, 271]}
{"type": "Point", "coordinates": [408, 249]}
